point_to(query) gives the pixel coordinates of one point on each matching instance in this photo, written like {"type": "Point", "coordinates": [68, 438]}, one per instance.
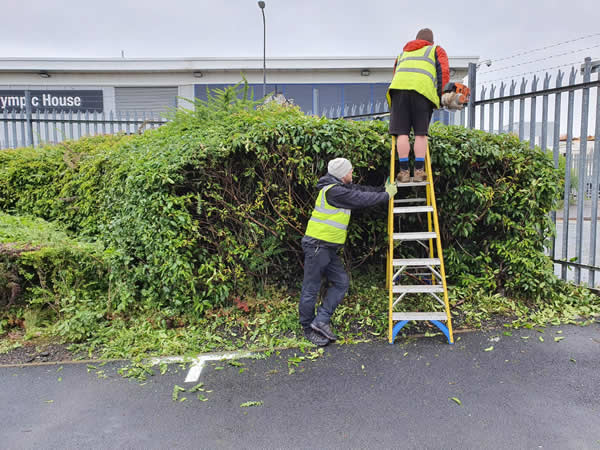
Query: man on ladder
{"type": "Point", "coordinates": [420, 73]}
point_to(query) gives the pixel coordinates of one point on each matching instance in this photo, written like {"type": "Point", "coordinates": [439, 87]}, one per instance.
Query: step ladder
{"type": "Point", "coordinates": [431, 268]}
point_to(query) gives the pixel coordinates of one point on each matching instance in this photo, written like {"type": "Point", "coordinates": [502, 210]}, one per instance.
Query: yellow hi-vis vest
{"type": "Point", "coordinates": [415, 71]}
{"type": "Point", "coordinates": [328, 223]}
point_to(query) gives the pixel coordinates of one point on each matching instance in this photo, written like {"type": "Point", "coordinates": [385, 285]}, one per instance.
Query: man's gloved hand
{"type": "Point", "coordinates": [390, 188]}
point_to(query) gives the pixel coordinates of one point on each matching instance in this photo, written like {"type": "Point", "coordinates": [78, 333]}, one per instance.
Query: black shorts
{"type": "Point", "coordinates": [409, 110]}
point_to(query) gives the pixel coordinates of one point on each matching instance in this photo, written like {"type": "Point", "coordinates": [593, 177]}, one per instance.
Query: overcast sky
{"type": "Point", "coordinates": [201, 28]}
{"type": "Point", "coordinates": [153, 28]}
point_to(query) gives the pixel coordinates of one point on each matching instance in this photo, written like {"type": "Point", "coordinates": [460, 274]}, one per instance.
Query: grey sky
{"type": "Point", "coordinates": [202, 28]}
{"type": "Point", "coordinates": [152, 28]}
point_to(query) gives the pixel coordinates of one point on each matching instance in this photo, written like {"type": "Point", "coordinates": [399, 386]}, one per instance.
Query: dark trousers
{"type": "Point", "coordinates": [321, 262]}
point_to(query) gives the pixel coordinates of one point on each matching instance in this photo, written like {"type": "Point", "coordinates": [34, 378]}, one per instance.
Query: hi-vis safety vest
{"type": "Point", "coordinates": [416, 71]}
{"type": "Point", "coordinates": [328, 223]}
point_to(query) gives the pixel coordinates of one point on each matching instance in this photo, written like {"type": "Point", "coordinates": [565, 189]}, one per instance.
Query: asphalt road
{"type": "Point", "coordinates": [523, 393]}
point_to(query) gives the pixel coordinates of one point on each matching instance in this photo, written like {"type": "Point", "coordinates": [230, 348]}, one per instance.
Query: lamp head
{"type": "Point", "coordinates": [261, 4]}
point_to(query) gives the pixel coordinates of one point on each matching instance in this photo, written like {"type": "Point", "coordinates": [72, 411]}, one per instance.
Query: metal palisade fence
{"type": "Point", "coordinates": [22, 127]}
{"type": "Point", "coordinates": [570, 105]}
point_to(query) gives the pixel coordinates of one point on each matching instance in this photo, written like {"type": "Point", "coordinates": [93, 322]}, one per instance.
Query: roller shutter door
{"type": "Point", "coordinates": [145, 99]}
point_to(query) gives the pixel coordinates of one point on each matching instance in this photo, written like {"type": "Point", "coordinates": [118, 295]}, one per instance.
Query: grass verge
{"type": "Point", "coordinates": [270, 320]}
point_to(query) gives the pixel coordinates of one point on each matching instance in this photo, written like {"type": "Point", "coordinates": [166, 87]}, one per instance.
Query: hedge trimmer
{"type": "Point", "coordinates": [455, 96]}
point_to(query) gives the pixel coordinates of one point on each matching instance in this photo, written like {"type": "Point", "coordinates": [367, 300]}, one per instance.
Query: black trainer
{"type": "Point", "coordinates": [324, 329]}
{"type": "Point", "coordinates": [316, 338]}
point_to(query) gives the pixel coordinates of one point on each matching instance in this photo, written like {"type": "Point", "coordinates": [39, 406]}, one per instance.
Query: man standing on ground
{"type": "Point", "coordinates": [325, 236]}
{"type": "Point", "coordinates": [420, 73]}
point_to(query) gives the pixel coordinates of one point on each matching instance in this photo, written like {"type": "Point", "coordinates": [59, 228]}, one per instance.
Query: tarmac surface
{"type": "Point", "coordinates": [515, 392]}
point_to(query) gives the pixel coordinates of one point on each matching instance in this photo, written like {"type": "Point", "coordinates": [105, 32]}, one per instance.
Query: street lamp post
{"type": "Point", "coordinates": [261, 5]}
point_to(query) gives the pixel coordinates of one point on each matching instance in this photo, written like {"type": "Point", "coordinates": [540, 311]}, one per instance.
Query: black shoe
{"type": "Point", "coordinates": [315, 338]}
{"type": "Point", "coordinates": [324, 329]}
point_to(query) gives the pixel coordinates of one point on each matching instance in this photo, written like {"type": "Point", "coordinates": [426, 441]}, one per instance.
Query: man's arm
{"type": "Point", "coordinates": [364, 188]}
{"type": "Point", "coordinates": [442, 69]}
{"type": "Point", "coordinates": [352, 198]}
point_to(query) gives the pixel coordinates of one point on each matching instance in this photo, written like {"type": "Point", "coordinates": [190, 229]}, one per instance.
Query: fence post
{"type": "Point", "coordinates": [595, 187]}
{"type": "Point", "coordinates": [568, 165]}
{"type": "Point", "coordinates": [533, 117]}
{"type": "Point", "coordinates": [28, 118]}
{"type": "Point", "coordinates": [472, 87]}
{"type": "Point", "coordinates": [501, 109]}
{"type": "Point", "coordinates": [582, 172]}
{"type": "Point", "coordinates": [556, 146]}
{"type": "Point", "coordinates": [482, 109]}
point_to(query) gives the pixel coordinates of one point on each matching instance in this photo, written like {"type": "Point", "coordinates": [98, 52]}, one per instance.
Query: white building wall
{"type": "Point", "coordinates": [184, 73]}
{"type": "Point", "coordinates": [122, 79]}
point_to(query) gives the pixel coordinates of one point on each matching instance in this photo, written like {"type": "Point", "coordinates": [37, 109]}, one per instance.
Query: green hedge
{"type": "Point", "coordinates": [216, 201]}
{"type": "Point", "coordinates": [41, 265]}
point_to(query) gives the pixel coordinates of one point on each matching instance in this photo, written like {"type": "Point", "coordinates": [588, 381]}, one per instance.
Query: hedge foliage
{"type": "Point", "coordinates": [215, 202]}
{"type": "Point", "coordinates": [39, 262]}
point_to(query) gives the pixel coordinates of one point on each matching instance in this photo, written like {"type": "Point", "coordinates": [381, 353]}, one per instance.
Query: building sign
{"type": "Point", "coordinates": [68, 101]}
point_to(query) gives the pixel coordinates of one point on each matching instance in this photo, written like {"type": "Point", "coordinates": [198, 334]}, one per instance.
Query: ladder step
{"type": "Point", "coordinates": [419, 316]}
{"type": "Point", "coordinates": [412, 184]}
{"type": "Point", "coordinates": [410, 200]}
{"type": "Point", "coordinates": [412, 209]}
{"type": "Point", "coordinates": [417, 288]}
{"type": "Point", "coordinates": [415, 236]}
{"type": "Point", "coordinates": [416, 262]}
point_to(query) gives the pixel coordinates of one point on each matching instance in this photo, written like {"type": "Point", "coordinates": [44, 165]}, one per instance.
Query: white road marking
{"type": "Point", "coordinates": [198, 363]}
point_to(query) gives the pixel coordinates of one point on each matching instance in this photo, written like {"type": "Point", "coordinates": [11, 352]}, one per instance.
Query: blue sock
{"type": "Point", "coordinates": [419, 163]}
{"type": "Point", "coordinates": [403, 163]}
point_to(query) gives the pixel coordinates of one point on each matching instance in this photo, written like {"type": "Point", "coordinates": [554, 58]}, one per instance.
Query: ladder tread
{"type": "Point", "coordinates": [416, 262]}
{"type": "Point", "coordinates": [417, 288]}
{"type": "Point", "coordinates": [415, 236]}
{"type": "Point", "coordinates": [434, 315]}
{"type": "Point", "coordinates": [412, 184]}
{"type": "Point", "coordinates": [410, 200]}
{"type": "Point", "coordinates": [412, 209]}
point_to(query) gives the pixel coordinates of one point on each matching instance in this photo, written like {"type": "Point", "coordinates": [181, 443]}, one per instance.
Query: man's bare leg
{"type": "Point", "coordinates": [403, 146]}
{"type": "Point", "coordinates": [420, 151]}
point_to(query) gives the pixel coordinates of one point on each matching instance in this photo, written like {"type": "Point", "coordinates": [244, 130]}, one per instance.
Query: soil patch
{"type": "Point", "coordinates": [37, 353]}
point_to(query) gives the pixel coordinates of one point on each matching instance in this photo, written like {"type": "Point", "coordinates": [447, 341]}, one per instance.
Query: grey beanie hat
{"type": "Point", "coordinates": [339, 167]}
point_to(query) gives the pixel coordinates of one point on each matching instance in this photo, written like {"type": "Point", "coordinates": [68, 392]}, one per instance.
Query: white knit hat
{"type": "Point", "coordinates": [339, 167]}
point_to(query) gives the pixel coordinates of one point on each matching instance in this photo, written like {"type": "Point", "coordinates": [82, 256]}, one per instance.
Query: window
{"type": "Point", "coordinates": [357, 99]}
{"type": "Point", "coordinates": [329, 98]}
{"type": "Point", "coordinates": [301, 94]}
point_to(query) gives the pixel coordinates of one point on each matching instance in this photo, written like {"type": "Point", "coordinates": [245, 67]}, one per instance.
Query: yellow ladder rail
{"type": "Point", "coordinates": [436, 225]}
{"type": "Point", "coordinates": [390, 259]}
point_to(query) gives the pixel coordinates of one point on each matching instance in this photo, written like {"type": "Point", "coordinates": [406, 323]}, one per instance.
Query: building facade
{"type": "Point", "coordinates": [74, 90]}
{"type": "Point", "coordinates": [318, 85]}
